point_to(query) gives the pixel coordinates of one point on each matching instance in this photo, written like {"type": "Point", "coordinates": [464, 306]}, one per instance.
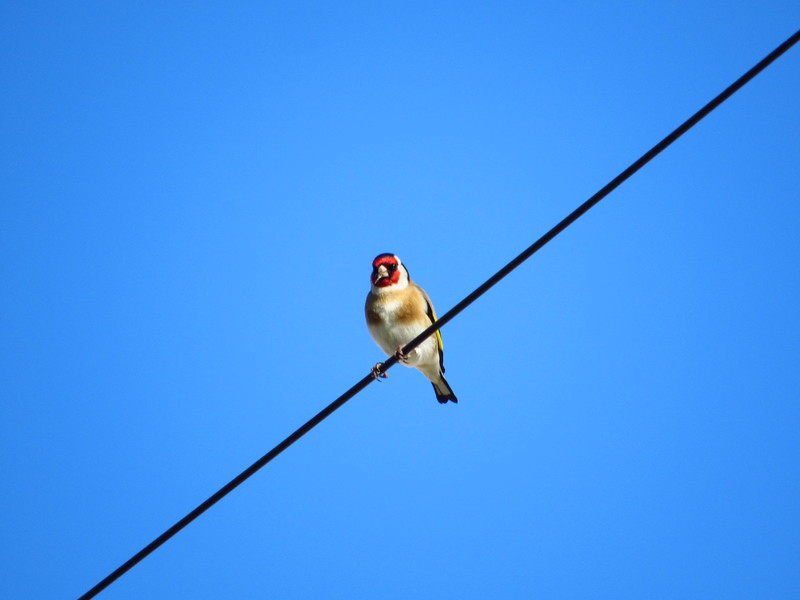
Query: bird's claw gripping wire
{"type": "Point", "coordinates": [404, 358]}
{"type": "Point", "coordinates": [378, 373]}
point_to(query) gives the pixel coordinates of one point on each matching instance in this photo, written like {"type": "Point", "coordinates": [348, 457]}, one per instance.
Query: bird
{"type": "Point", "coordinates": [398, 310]}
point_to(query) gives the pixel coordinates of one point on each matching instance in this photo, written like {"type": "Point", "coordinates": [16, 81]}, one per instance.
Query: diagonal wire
{"type": "Point", "coordinates": [448, 316]}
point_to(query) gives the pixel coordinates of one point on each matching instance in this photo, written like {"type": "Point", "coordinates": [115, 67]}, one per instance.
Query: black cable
{"type": "Point", "coordinates": [391, 361]}
{"type": "Point", "coordinates": [610, 187]}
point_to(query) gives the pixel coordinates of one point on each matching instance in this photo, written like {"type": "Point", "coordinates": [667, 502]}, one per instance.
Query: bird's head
{"type": "Point", "coordinates": [388, 271]}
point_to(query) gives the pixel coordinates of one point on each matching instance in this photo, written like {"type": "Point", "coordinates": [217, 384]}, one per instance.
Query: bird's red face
{"type": "Point", "coordinates": [385, 270]}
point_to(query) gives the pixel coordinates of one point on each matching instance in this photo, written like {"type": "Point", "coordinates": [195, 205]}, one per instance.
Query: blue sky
{"type": "Point", "coordinates": [192, 195]}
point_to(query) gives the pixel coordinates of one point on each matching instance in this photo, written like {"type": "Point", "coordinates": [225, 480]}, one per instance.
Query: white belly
{"type": "Point", "coordinates": [389, 337]}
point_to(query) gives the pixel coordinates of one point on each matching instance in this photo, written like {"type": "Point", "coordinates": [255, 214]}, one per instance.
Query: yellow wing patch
{"type": "Point", "coordinates": [432, 315]}
{"type": "Point", "coordinates": [438, 331]}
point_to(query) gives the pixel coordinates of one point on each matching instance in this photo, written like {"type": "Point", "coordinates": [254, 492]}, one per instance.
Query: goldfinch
{"type": "Point", "coordinates": [397, 311]}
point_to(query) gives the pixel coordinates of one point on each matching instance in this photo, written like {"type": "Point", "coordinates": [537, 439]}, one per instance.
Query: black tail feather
{"type": "Point", "coordinates": [444, 393]}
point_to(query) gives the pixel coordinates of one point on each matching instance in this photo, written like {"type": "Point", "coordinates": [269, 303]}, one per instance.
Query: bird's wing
{"type": "Point", "coordinates": [432, 316]}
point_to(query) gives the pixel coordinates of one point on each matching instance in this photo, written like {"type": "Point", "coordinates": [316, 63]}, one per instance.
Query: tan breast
{"type": "Point", "coordinates": [401, 307]}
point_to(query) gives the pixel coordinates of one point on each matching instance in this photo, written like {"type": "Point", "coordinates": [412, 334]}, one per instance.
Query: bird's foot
{"type": "Point", "coordinates": [377, 373]}
{"type": "Point", "coordinates": [404, 358]}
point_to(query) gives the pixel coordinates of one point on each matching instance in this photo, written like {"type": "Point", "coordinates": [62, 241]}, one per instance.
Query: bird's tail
{"type": "Point", "coordinates": [443, 391]}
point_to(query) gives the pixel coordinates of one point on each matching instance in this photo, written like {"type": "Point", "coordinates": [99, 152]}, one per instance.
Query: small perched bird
{"type": "Point", "coordinates": [397, 311]}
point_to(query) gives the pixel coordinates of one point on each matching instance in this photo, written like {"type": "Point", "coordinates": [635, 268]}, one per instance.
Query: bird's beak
{"type": "Point", "coordinates": [381, 273]}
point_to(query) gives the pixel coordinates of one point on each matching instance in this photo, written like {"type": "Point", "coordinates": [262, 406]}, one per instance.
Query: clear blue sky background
{"type": "Point", "coordinates": [191, 198]}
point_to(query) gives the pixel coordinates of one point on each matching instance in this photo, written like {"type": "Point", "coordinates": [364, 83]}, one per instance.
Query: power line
{"type": "Point", "coordinates": [448, 316]}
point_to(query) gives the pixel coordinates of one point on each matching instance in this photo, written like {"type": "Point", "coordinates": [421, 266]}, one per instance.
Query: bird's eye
{"type": "Point", "coordinates": [391, 267]}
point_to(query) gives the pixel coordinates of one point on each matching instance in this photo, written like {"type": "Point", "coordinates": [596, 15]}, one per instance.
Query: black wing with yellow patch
{"type": "Point", "coordinates": [432, 316]}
